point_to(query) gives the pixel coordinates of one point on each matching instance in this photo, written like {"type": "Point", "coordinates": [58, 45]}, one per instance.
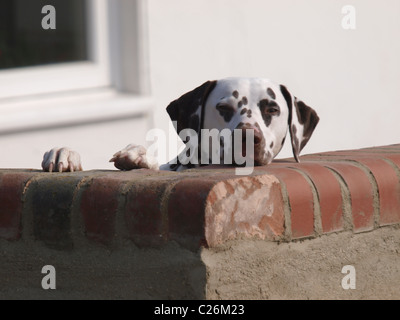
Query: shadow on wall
{"type": "Point", "coordinates": [170, 272]}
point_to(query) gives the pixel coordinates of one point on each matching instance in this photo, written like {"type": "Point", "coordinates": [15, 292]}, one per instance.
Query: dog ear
{"type": "Point", "coordinates": [188, 110]}
{"type": "Point", "coordinates": [302, 122]}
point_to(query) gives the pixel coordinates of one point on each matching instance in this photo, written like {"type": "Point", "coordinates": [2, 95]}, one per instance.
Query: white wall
{"type": "Point", "coordinates": [350, 77]}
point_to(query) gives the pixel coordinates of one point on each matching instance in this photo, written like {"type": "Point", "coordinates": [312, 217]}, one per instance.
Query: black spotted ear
{"type": "Point", "coordinates": [188, 110]}
{"type": "Point", "coordinates": [302, 122]}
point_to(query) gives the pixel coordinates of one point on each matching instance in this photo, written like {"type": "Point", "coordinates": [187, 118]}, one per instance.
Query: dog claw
{"type": "Point", "coordinates": [60, 160]}
{"type": "Point", "coordinates": [133, 157]}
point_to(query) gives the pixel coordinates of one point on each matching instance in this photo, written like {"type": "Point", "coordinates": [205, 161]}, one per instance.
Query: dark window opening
{"type": "Point", "coordinates": [23, 41]}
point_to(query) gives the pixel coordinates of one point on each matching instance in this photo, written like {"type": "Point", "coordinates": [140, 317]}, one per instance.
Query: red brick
{"type": "Point", "coordinates": [395, 158]}
{"type": "Point", "coordinates": [329, 195]}
{"type": "Point", "coordinates": [12, 185]}
{"type": "Point", "coordinates": [395, 148]}
{"type": "Point", "coordinates": [245, 207]}
{"type": "Point", "coordinates": [186, 206]}
{"type": "Point", "coordinates": [212, 204]}
{"type": "Point", "coordinates": [145, 211]}
{"type": "Point", "coordinates": [375, 152]}
{"type": "Point", "coordinates": [49, 201]}
{"type": "Point", "coordinates": [388, 188]}
{"type": "Point", "coordinates": [301, 201]}
{"type": "Point", "coordinates": [99, 203]}
{"type": "Point", "coordinates": [361, 194]}
{"type": "Point", "coordinates": [339, 155]}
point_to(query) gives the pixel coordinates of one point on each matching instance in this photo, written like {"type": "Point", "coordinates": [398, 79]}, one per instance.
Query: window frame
{"type": "Point", "coordinates": [116, 82]}
{"type": "Point", "coordinates": [95, 72]}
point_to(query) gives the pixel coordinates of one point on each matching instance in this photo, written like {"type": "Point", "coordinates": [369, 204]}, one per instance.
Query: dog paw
{"type": "Point", "coordinates": [133, 157]}
{"type": "Point", "coordinates": [61, 160]}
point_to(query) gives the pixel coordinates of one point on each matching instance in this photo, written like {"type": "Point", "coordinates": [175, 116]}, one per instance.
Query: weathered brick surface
{"type": "Point", "coordinates": [49, 202]}
{"type": "Point", "coordinates": [12, 186]}
{"type": "Point", "coordinates": [145, 212]}
{"type": "Point", "coordinates": [356, 190]}
{"type": "Point", "coordinates": [329, 195]}
{"type": "Point", "coordinates": [249, 206]}
{"type": "Point", "coordinates": [388, 184]}
{"type": "Point", "coordinates": [301, 201]}
{"type": "Point", "coordinates": [361, 194]}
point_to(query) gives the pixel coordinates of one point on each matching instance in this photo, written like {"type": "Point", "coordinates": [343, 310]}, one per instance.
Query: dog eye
{"type": "Point", "coordinates": [272, 110]}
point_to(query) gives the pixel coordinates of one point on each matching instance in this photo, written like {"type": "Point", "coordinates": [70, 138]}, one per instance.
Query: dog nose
{"type": "Point", "coordinates": [257, 133]}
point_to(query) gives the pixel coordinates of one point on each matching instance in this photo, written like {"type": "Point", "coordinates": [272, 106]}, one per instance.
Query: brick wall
{"type": "Point", "coordinates": [352, 190]}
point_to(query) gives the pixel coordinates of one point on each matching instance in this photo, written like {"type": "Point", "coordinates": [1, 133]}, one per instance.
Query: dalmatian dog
{"type": "Point", "coordinates": [265, 109]}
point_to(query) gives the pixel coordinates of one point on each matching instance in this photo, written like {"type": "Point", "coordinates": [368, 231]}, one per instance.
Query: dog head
{"type": "Point", "coordinates": [266, 108]}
